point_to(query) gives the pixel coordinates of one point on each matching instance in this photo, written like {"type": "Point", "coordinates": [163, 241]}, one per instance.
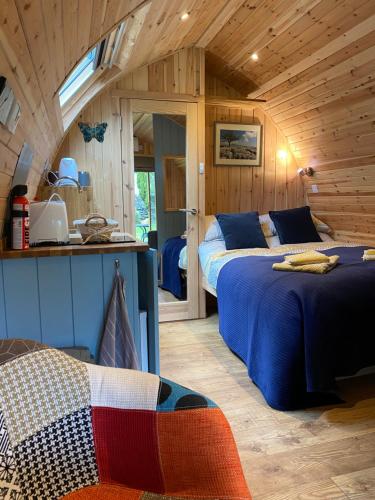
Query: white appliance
{"type": "Point", "coordinates": [49, 222]}
{"type": "Point", "coordinates": [68, 168]}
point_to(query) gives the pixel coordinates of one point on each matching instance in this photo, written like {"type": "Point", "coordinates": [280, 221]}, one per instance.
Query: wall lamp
{"type": "Point", "coordinates": [282, 154]}
{"type": "Point", "coordinates": [309, 171]}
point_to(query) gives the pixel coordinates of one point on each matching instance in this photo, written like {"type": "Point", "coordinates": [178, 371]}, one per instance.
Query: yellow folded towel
{"type": "Point", "coordinates": [369, 254]}
{"type": "Point", "coordinates": [310, 257]}
{"type": "Point", "coordinates": [320, 268]}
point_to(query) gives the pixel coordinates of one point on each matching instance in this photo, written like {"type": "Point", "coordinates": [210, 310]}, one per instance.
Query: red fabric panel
{"type": "Point", "coordinates": [104, 492]}
{"type": "Point", "coordinates": [127, 448]}
{"type": "Point", "coordinates": [199, 455]}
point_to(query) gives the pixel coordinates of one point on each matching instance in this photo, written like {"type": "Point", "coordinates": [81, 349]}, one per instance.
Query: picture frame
{"type": "Point", "coordinates": [237, 144]}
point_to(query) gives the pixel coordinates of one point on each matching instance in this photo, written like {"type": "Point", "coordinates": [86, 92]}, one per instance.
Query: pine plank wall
{"type": "Point", "coordinates": [273, 185]}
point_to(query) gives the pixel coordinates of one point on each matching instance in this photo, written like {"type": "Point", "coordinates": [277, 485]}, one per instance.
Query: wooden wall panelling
{"type": "Point", "coordinates": [346, 197]}
{"type": "Point", "coordinates": [258, 172]}
{"type": "Point", "coordinates": [275, 184]}
{"type": "Point", "coordinates": [114, 154]}
{"type": "Point", "coordinates": [315, 69]}
{"type": "Point", "coordinates": [270, 144]}
{"type": "Point", "coordinates": [221, 173]}
{"type": "Point", "coordinates": [180, 73]}
{"type": "Point", "coordinates": [127, 156]}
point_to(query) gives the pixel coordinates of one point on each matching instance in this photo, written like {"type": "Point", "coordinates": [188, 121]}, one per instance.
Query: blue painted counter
{"type": "Point", "coordinates": [62, 300]}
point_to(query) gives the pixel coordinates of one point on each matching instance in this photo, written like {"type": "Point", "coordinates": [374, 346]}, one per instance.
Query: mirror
{"type": "Point", "coordinates": [174, 171]}
{"type": "Point", "coordinates": [160, 192]}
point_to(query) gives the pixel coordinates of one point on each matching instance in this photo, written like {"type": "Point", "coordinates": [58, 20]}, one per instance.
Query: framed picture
{"type": "Point", "coordinates": [237, 144]}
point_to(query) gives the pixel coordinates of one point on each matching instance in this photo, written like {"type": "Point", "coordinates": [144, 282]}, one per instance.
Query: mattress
{"type": "Point", "coordinates": [207, 250]}
{"type": "Point", "coordinates": [213, 254]}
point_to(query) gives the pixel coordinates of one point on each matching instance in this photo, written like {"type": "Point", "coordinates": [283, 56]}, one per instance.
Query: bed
{"type": "Point", "coordinates": [296, 332]}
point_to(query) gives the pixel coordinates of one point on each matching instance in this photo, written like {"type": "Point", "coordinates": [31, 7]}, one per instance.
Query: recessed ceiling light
{"type": "Point", "coordinates": [184, 16]}
{"type": "Point", "coordinates": [254, 56]}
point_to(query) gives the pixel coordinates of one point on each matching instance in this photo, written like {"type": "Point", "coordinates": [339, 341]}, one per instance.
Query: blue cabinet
{"type": "Point", "coordinates": [62, 301]}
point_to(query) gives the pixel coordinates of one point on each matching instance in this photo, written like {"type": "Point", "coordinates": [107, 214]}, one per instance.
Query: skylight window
{"type": "Point", "coordinates": [79, 75]}
{"type": "Point", "coordinates": [103, 55]}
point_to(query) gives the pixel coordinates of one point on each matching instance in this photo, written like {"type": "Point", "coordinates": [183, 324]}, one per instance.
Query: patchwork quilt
{"type": "Point", "coordinates": [69, 428]}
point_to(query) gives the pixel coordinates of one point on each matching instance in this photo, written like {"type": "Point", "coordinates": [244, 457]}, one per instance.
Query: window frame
{"type": "Point", "coordinates": [76, 82]}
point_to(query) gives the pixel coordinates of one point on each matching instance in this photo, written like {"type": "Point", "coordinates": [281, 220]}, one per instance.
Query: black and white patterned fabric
{"type": "Point", "coordinates": [58, 459]}
{"type": "Point", "coordinates": [9, 489]}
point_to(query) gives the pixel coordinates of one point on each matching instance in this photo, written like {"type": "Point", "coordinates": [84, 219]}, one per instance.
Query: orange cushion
{"type": "Point", "coordinates": [199, 456]}
{"type": "Point", "coordinates": [105, 492]}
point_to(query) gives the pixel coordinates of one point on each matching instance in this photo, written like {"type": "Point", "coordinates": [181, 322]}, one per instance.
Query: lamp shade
{"type": "Point", "coordinates": [68, 168]}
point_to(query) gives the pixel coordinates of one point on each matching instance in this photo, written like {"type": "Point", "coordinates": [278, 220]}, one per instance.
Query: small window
{"type": "Point", "coordinates": [104, 54]}
{"type": "Point", "coordinates": [78, 76]}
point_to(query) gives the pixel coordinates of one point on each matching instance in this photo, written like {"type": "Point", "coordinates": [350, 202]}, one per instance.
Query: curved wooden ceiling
{"type": "Point", "coordinates": [315, 69]}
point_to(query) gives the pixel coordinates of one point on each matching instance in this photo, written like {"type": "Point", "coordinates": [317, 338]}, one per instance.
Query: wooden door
{"type": "Point", "coordinates": [191, 308]}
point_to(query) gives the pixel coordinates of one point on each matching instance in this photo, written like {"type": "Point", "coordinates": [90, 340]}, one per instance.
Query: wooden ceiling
{"type": "Point", "coordinates": [315, 69]}
{"type": "Point", "coordinates": [143, 125]}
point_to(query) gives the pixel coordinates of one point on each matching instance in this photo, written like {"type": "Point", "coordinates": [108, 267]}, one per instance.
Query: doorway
{"type": "Point", "coordinates": [163, 169]}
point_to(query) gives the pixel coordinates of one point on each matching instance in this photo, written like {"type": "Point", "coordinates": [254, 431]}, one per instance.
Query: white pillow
{"type": "Point", "coordinates": [268, 226]}
{"type": "Point", "coordinates": [321, 226]}
{"type": "Point", "coordinates": [273, 241]}
{"type": "Point", "coordinates": [325, 236]}
{"type": "Point", "coordinates": [214, 232]}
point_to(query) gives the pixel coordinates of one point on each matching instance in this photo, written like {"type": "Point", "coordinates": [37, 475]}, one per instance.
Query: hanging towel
{"type": "Point", "coordinates": [117, 348]}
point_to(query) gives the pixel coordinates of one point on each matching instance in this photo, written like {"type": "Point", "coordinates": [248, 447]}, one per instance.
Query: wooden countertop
{"type": "Point", "coordinates": [59, 251]}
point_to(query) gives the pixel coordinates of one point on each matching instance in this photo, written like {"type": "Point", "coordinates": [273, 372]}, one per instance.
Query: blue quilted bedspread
{"type": "Point", "coordinates": [296, 332]}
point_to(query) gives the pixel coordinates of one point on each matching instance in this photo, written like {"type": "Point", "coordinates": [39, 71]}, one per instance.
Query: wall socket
{"type": "Point", "coordinates": [314, 188]}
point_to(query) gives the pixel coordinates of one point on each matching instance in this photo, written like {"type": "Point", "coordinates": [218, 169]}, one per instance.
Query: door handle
{"type": "Point", "coordinates": [191, 211]}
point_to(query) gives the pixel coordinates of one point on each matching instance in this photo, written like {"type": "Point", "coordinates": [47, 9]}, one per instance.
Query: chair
{"type": "Point", "coordinates": [75, 430]}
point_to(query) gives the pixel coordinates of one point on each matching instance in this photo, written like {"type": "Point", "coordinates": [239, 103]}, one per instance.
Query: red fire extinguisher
{"type": "Point", "coordinates": [20, 218]}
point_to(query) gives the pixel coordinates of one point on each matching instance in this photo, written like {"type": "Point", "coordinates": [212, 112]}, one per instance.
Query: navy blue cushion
{"type": "Point", "coordinates": [242, 230]}
{"type": "Point", "coordinates": [295, 226]}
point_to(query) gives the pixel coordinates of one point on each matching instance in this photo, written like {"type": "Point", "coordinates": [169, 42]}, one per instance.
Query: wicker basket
{"type": "Point", "coordinates": [96, 228]}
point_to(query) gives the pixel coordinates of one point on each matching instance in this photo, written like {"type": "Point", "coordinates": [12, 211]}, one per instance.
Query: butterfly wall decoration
{"type": "Point", "coordinates": [90, 132]}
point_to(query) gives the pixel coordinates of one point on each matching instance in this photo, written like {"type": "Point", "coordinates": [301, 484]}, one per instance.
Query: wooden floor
{"type": "Point", "coordinates": [326, 453]}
